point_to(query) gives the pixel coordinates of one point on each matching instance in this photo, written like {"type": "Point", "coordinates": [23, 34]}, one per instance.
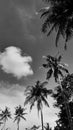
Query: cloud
{"type": "Point", "coordinates": [12, 62]}
{"type": "Point", "coordinates": [11, 90]}
{"type": "Point", "coordinates": [12, 95]}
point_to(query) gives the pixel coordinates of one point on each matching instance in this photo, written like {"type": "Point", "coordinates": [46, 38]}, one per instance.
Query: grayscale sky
{"type": "Point", "coordinates": [22, 46]}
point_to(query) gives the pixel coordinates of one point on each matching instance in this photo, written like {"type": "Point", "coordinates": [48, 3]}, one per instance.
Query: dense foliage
{"type": "Point", "coordinates": [59, 16]}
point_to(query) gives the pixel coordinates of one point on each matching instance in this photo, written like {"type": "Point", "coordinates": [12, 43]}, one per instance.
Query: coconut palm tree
{"type": "Point", "coordinates": [4, 116]}
{"type": "Point", "coordinates": [55, 66]}
{"type": "Point", "coordinates": [58, 16]}
{"type": "Point", "coordinates": [63, 96]}
{"type": "Point", "coordinates": [62, 121]}
{"type": "Point", "coordinates": [19, 114]}
{"type": "Point", "coordinates": [37, 93]}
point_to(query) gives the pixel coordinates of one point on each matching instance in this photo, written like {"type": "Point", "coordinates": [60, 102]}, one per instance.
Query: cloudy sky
{"type": "Point", "coordinates": [22, 46]}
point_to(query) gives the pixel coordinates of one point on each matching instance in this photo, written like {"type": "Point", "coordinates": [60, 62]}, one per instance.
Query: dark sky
{"type": "Point", "coordinates": [20, 27]}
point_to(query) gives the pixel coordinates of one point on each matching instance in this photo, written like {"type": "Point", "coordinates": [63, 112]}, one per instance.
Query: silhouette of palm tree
{"type": "Point", "coordinates": [4, 116]}
{"type": "Point", "coordinates": [56, 68]}
{"type": "Point", "coordinates": [63, 95]}
{"type": "Point", "coordinates": [59, 16]}
{"type": "Point", "coordinates": [37, 93]}
{"type": "Point", "coordinates": [19, 114]}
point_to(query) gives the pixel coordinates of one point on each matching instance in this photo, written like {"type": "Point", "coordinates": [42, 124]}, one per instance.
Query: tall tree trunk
{"type": "Point", "coordinates": [18, 126]}
{"type": "Point", "coordinates": [67, 110]}
{"type": "Point", "coordinates": [4, 126]}
{"type": "Point", "coordinates": [68, 113]}
{"type": "Point", "coordinates": [42, 120]}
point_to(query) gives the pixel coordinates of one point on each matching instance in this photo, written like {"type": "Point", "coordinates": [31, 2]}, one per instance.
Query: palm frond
{"type": "Point", "coordinates": [64, 69]}
{"type": "Point", "coordinates": [60, 14]}
{"type": "Point", "coordinates": [59, 58]}
{"type": "Point", "coordinates": [28, 99]}
{"type": "Point", "coordinates": [57, 37]}
{"type": "Point", "coordinates": [51, 30]}
{"type": "Point", "coordinates": [45, 12]}
{"type": "Point", "coordinates": [15, 119]}
{"type": "Point", "coordinates": [19, 113]}
{"type": "Point", "coordinates": [60, 73]}
{"type": "Point", "coordinates": [45, 65]}
{"type": "Point", "coordinates": [43, 84]}
{"type": "Point", "coordinates": [45, 101]}
{"type": "Point", "coordinates": [23, 118]}
{"type": "Point", "coordinates": [46, 92]}
{"type": "Point", "coordinates": [49, 74]}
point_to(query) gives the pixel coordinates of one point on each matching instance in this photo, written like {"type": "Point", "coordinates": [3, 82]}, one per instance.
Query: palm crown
{"type": "Point", "coordinates": [55, 67]}
{"type": "Point", "coordinates": [64, 89]}
{"type": "Point", "coordinates": [19, 113]}
{"type": "Point", "coordinates": [37, 93]}
{"type": "Point", "coordinates": [59, 16]}
{"type": "Point", "coordinates": [4, 115]}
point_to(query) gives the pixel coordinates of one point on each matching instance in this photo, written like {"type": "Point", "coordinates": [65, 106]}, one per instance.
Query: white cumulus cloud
{"type": "Point", "coordinates": [13, 62]}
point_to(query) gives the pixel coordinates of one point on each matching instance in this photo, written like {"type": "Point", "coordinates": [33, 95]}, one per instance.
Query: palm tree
{"type": "Point", "coordinates": [63, 96]}
{"type": "Point", "coordinates": [56, 68]}
{"type": "Point", "coordinates": [4, 116]}
{"type": "Point", "coordinates": [62, 121]}
{"type": "Point", "coordinates": [37, 93]}
{"type": "Point", "coordinates": [19, 114]}
{"type": "Point", "coordinates": [59, 16]}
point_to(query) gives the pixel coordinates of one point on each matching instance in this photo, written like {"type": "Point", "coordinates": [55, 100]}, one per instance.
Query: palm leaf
{"type": "Point", "coordinates": [49, 74]}
{"type": "Point", "coordinates": [60, 73]}
{"type": "Point", "coordinates": [51, 30]}
{"type": "Point", "coordinates": [45, 13]}
{"type": "Point", "coordinates": [59, 58]}
{"type": "Point", "coordinates": [57, 37]}
{"type": "Point", "coordinates": [23, 118]}
{"type": "Point", "coordinates": [43, 84]}
{"type": "Point", "coordinates": [64, 69]}
{"type": "Point", "coordinates": [45, 101]}
{"type": "Point", "coordinates": [46, 92]}
{"type": "Point", "coordinates": [45, 65]}
{"type": "Point", "coordinates": [61, 13]}
{"type": "Point", "coordinates": [27, 100]}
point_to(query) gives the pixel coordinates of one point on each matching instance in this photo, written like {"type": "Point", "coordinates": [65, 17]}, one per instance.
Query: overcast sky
{"type": "Point", "coordinates": [22, 46]}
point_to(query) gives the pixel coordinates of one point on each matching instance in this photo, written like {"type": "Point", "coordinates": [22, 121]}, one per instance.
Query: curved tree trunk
{"type": "Point", "coordinates": [42, 120]}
